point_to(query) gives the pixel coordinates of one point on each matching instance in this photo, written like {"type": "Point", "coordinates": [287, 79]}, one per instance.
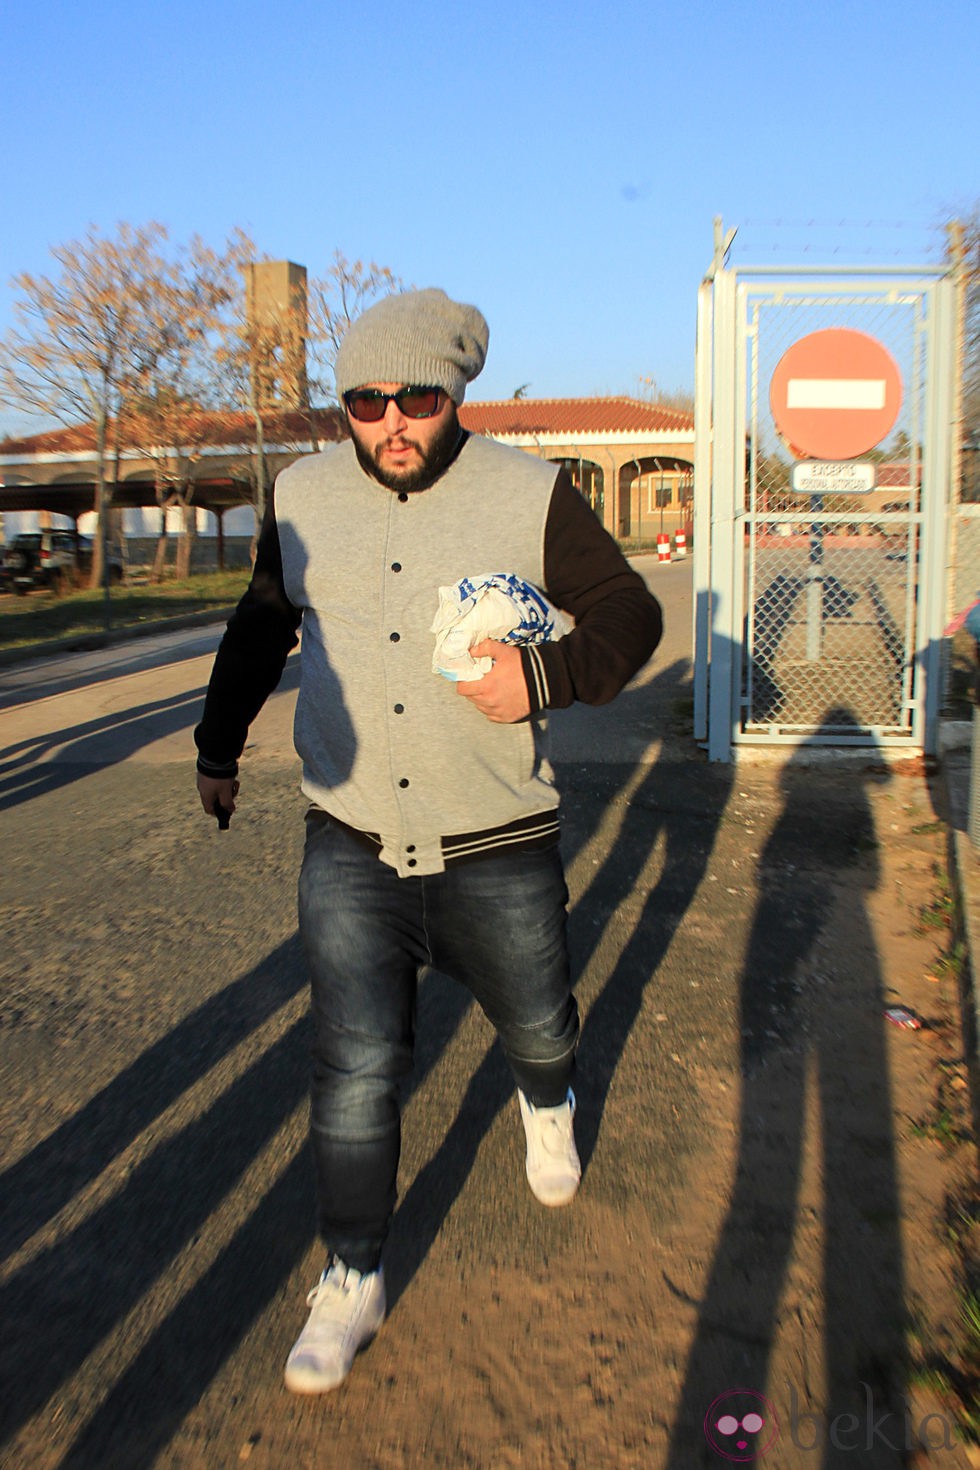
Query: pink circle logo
{"type": "Point", "coordinates": [741, 1425]}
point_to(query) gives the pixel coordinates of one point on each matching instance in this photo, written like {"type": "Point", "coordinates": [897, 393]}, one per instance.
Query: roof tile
{"type": "Point", "coordinates": [216, 429]}
{"type": "Point", "coordinates": [572, 416]}
{"type": "Point", "coordinates": [516, 416]}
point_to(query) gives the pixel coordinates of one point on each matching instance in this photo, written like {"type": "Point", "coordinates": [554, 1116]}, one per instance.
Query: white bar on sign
{"type": "Point", "coordinates": [835, 393]}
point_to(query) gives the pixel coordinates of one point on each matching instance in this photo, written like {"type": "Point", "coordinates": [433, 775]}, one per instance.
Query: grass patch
{"type": "Point", "coordinates": [954, 1374]}
{"type": "Point", "coordinates": [939, 914]}
{"type": "Point", "coordinates": [941, 1127]}
{"type": "Point", "coordinates": [951, 1369]}
{"type": "Point", "coordinates": [38, 617]}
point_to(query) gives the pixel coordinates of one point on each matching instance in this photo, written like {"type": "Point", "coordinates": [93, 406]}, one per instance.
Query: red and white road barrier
{"type": "Point", "coordinates": [663, 547]}
{"type": "Point", "coordinates": [680, 543]}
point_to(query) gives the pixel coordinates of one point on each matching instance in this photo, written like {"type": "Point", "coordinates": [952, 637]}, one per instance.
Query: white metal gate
{"type": "Point", "coordinates": [819, 617]}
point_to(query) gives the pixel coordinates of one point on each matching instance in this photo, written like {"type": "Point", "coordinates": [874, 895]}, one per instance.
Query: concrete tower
{"type": "Point", "coordinates": [276, 311]}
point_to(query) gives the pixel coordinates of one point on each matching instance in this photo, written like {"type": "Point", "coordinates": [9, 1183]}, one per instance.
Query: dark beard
{"type": "Point", "coordinates": [441, 453]}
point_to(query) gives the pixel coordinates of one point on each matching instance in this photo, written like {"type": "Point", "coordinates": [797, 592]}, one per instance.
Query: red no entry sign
{"type": "Point", "coordinates": [835, 394]}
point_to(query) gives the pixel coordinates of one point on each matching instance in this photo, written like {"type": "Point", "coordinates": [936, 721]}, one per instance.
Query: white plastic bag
{"type": "Point", "coordinates": [497, 605]}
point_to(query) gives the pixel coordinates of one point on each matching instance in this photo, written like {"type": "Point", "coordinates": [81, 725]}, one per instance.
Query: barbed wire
{"type": "Point", "coordinates": [930, 237]}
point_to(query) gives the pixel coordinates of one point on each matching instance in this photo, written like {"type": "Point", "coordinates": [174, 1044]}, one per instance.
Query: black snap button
{"type": "Point", "coordinates": [396, 566]}
{"type": "Point", "coordinates": [410, 863]}
{"type": "Point", "coordinates": [410, 847]}
{"type": "Point", "coordinates": [399, 709]}
{"type": "Point", "coordinates": [403, 496]}
{"type": "Point", "coordinates": [394, 637]}
{"type": "Point", "coordinates": [403, 782]}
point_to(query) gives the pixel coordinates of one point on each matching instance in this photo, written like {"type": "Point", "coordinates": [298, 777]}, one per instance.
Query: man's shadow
{"type": "Point", "coordinates": [812, 1053]}
{"type": "Point", "coordinates": [674, 804]}
{"type": "Point", "coordinates": [188, 1348]}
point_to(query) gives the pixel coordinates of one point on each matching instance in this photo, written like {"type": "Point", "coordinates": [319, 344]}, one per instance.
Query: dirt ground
{"type": "Point", "coordinates": [767, 1220]}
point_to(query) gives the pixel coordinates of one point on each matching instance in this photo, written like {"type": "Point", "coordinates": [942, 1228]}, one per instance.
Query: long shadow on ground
{"type": "Point", "coordinates": [807, 1047]}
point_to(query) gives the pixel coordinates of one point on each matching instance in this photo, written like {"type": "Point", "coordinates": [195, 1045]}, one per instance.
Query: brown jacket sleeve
{"type": "Point", "coordinates": [618, 621]}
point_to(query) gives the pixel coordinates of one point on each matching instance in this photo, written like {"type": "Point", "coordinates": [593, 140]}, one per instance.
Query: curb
{"type": "Point", "coordinates": [963, 860]}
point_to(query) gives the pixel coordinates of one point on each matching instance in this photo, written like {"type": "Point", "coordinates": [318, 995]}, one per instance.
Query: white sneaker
{"type": "Point", "coordinates": [348, 1309]}
{"type": "Point", "coordinates": [553, 1168]}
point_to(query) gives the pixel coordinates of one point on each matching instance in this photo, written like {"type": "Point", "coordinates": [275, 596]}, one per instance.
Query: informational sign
{"type": "Point", "coordinates": [832, 477]}
{"type": "Point", "coordinates": [835, 394]}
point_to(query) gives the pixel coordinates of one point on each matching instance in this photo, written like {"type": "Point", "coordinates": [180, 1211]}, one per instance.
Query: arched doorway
{"type": "Point", "coordinates": [656, 497]}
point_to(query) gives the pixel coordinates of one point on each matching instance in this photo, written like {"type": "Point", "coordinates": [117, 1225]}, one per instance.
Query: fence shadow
{"type": "Point", "coordinates": [820, 1048]}
{"type": "Point", "coordinates": [675, 803]}
{"type": "Point", "coordinates": [69, 1298]}
{"type": "Point", "coordinates": [49, 762]}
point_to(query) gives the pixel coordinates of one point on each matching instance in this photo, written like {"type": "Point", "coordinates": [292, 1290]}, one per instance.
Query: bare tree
{"type": "Point", "coordinates": [679, 400]}
{"type": "Point", "coordinates": [279, 354]}
{"type": "Point", "coordinates": [87, 338]}
{"type": "Point", "coordinates": [139, 340]}
{"type": "Point", "coordinates": [335, 299]}
{"type": "Point", "coordinates": [250, 355]}
{"type": "Point", "coordinates": [170, 430]}
{"type": "Point", "coordinates": [170, 421]}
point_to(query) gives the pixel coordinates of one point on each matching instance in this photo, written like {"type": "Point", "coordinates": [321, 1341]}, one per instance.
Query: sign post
{"type": "Point", "coordinates": [814, 585]}
{"type": "Point", "coordinates": [834, 395]}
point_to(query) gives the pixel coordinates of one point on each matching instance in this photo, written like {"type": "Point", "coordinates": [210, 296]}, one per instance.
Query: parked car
{"type": "Point", "coordinates": [54, 559]}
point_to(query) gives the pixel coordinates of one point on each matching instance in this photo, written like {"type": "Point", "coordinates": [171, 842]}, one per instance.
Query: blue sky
{"type": "Point", "coordinates": [558, 165]}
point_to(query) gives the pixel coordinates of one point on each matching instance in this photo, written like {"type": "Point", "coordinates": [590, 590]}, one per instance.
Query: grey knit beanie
{"type": "Point", "coordinates": [417, 337]}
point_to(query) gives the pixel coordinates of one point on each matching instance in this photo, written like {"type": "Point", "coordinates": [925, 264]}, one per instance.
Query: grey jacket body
{"type": "Point", "coordinates": [389, 747]}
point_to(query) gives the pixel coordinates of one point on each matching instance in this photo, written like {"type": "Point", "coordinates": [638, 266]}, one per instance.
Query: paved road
{"type": "Point", "coordinates": [133, 701]}
{"type": "Point", "coordinates": [155, 1201]}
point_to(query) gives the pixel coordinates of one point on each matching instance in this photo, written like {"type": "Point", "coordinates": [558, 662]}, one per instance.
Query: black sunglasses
{"type": "Point", "coordinates": [369, 405]}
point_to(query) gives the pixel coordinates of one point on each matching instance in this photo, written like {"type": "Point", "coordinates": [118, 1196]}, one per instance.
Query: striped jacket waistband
{"type": "Point", "coordinates": [539, 830]}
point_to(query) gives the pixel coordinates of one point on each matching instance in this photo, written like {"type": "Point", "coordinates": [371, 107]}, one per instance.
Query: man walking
{"type": "Point", "coordinates": [432, 835]}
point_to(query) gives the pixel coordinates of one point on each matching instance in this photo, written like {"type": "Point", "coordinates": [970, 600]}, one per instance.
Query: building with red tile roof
{"type": "Point", "coordinates": [516, 418]}
{"type": "Point", "coordinates": [632, 459]}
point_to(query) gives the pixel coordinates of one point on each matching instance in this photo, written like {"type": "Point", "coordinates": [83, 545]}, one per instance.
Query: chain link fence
{"type": "Point", "coordinates": [829, 581]}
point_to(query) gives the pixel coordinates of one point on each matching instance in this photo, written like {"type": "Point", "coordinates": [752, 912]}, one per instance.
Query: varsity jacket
{"type": "Point", "coordinates": [389, 748]}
